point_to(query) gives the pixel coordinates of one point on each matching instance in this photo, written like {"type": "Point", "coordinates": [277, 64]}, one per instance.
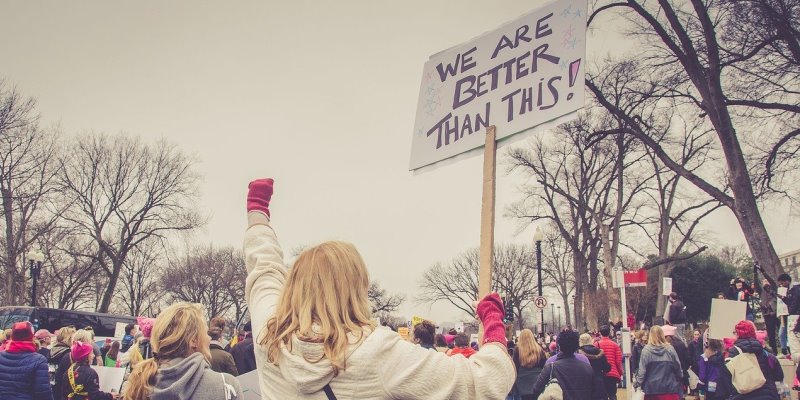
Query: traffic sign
{"type": "Point", "coordinates": [540, 302]}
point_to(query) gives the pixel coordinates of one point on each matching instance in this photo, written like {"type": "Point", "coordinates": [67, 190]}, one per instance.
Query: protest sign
{"type": "Point", "coordinates": [667, 287]}
{"type": "Point", "coordinates": [109, 378]}
{"type": "Point", "coordinates": [403, 331]}
{"type": "Point", "coordinates": [782, 309]}
{"type": "Point", "coordinates": [526, 73]}
{"type": "Point", "coordinates": [249, 384]}
{"type": "Point", "coordinates": [725, 314]}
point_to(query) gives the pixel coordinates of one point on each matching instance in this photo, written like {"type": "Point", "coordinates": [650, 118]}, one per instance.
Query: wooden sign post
{"type": "Point", "coordinates": [487, 214]}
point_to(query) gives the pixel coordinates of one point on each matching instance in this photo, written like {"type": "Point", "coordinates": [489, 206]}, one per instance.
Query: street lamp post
{"type": "Point", "coordinates": [553, 316]}
{"type": "Point", "coordinates": [537, 239]}
{"type": "Point", "coordinates": [35, 258]}
{"type": "Point", "coordinates": [559, 317]}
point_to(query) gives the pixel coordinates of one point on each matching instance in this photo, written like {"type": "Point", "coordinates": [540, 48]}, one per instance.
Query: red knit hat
{"type": "Point", "coordinates": [745, 330]}
{"type": "Point", "coordinates": [22, 332]}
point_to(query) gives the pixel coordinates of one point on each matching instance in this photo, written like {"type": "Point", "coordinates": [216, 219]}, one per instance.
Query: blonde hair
{"type": "Point", "coordinates": [178, 332]}
{"type": "Point", "coordinates": [585, 339]}
{"type": "Point", "coordinates": [336, 275]}
{"type": "Point", "coordinates": [656, 337]}
{"type": "Point", "coordinates": [641, 336]}
{"type": "Point", "coordinates": [82, 335]}
{"type": "Point", "coordinates": [65, 335]}
{"type": "Point", "coordinates": [530, 353]}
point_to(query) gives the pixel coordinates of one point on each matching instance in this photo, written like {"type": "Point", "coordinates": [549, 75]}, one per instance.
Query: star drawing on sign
{"type": "Point", "coordinates": [563, 64]}
{"type": "Point", "coordinates": [567, 11]}
{"type": "Point", "coordinates": [578, 13]}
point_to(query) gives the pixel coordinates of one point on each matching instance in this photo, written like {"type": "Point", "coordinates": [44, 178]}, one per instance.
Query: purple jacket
{"type": "Point", "coordinates": [710, 369]}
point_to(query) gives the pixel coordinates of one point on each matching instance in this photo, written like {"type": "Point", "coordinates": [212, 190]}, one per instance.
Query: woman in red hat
{"type": "Point", "coordinates": [23, 371]}
{"type": "Point", "coordinates": [80, 382]}
{"type": "Point", "coordinates": [746, 342]}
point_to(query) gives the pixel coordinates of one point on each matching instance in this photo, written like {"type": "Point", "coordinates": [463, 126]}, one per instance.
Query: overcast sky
{"type": "Point", "coordinates": [319, 95]}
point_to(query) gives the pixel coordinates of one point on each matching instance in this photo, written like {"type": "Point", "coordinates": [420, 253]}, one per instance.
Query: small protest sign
{"type": "Point", "coordinates": [526, 73]}
{"type": "Point", "coordinates": [109, 378]}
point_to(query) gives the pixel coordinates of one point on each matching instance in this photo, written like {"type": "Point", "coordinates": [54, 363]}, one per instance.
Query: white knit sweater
{"type": "Point", "coordinates": [382, 366]}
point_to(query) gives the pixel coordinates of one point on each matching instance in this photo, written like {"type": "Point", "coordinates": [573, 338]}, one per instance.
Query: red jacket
{"type": "Point", "coordinates": [613, 354]}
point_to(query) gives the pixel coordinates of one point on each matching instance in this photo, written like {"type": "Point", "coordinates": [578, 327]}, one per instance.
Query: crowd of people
{"type": "Point", "coordinates": [317, 339]}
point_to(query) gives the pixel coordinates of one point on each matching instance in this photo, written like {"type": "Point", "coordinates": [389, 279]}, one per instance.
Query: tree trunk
{"type": "Point", "coordinates": [566, 321]}
{"type": "Point", "coordinates": [108, 294]}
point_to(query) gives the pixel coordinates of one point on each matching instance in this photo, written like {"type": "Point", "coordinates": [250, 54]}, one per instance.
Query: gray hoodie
{"type": "Point", "coordinates": [659, 370]}
{"type": "Point", "coordinates": [192, 378]}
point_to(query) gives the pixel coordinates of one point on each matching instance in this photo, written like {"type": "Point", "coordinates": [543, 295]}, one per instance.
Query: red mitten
{"type": "Point", "coordinates": [259, 192]}
{"type": "Point", "coordinates": [490, 312]}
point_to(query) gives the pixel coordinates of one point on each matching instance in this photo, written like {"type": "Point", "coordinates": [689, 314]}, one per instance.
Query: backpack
{"type": "Point", "coordinates": [552, 391]}
{"type": "Point", "coordinates": [746, 374]}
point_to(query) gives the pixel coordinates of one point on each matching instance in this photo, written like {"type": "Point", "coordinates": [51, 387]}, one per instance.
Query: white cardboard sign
{"type": "Point", "coordinates": [725, 314]}
{"type": "Point", "coordinates": [667, 287]}
{"type": "Point", "coordinates": [109, 377]}
{"type": "Point", "coordinates": [526, 73]}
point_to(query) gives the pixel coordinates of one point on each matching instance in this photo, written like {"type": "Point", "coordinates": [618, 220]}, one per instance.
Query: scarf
{"type": "Point", "coordinates": [21, 347]}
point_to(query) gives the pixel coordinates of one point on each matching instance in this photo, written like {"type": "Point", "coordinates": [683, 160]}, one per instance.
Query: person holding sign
{"type": "Point", "coordinates": [791, 299]}
{"type": "Point", "coordinates": [327, 345]}
{"type": "Point", "coordinates": [80, 382]}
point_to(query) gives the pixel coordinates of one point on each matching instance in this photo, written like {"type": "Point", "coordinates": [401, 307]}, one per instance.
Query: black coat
{"type": "Point", "coordinates": [575, 377]}
{"type": "Point", "coordinates": [770, 367]}
{"type": "Point", "coordinates": [86, 376]}
{"type": "Point", "coordinates": [244, 356]}
{"type": "Point", "coordinates": [677, 312]}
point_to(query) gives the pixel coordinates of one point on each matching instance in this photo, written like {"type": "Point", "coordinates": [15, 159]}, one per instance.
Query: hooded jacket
{"type": "Point", "coordinates": [192, 378]}
{"type": "Point", "coordinates": [244, 355]}
{"type": "Point", "coordinates": [770, 367]}
{"type": "Point", "coordinates": [677, 312]}
{"type": "Point", "coordinates": [380, 364]}
{"type": "Point", "coordinates": [576, 378]}
{"type": "Point", "coordinates": [597, 359]}
{"type": "Point", "coordinates": [659, 370]}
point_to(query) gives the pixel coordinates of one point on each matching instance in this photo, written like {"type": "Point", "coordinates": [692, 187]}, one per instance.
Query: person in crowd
{"type": "Point", "coordinates": [221, 360]}
{"type": "Point", "coordinates": [180, 369]}
{"type": "Point", "coordinates": [768, 292]}
{"type": "Point", "coordinates": [80, 382]}
{"type": "Point", "coordinates": [329, 343]}
{"type": "Point", "coordinates": [552, 349]}
{"type": "Point", "coordinates": [710, 367]}
{"type": "Point", "coordinates": [461, 346]}
{"type": "Point", "coordinates": [740, 291]}
{"type": "Point", "coordinates": [677, 313]}
{"type": "Point", "coordinates": [244, 352]}
{"type": "Point", "coordinates": [676, 341]}
{"type": "Point", "coordinates": [695, 351]}
{"type": "Point", "coordinates": [132, 358]}
{"type": "Point", "coordinates": [43, 340]}
{"type": "Point", "coordinates": [613, 354]}
{"type": "Point", "coordinates": [61, 350]}
{"type": "Point", "coordinates": [2, 339]}
{"type": "Point", "coordinates": [146, 326]}
{"type": "Point", "coordinates": [424, 333]}
{"type": "Point", "coordinates": [6, 339]}
{"type": "Point", "coordinates": [639, 341]}
{"type": "Point", "coordinates": [127, 340]}
{"type": "Point", "coordinates": [631, 321]}
{"type": "Point", "coordinates": [659, 373]}
{"type": "Point", "coordinates": [792, 301]}
{"type": "Point", "coordinates": [98, 354]}
{"type": "Point", "coordinates": [104, 350]}
{"type": "Point", "coordinates": [575, 377]}
{"type": "Point", "coordinates": [440, 343]}
{"type": "Point", "coordinates": [746, 342]}
{"type": "Point", "coordinates": [221, 323]}
{"type": "Point", "coordinates": [597, 359]}
{"type": "Point", "coordinates": [80, 335]}
{"type": "Point", "coordinates": [529, 360]}
{"type": "Point", "coordinates": [112, 355]}
{"type": "Point", "coordinates": [23, 372]}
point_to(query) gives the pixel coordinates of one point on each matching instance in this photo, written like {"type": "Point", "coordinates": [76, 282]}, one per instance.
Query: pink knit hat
{"type": "Point", "coordinates": [80, 351]}
{"type": "Point", "coordinates": [146, 325]}
{"type": "Point", "coordinates": [669, 330]}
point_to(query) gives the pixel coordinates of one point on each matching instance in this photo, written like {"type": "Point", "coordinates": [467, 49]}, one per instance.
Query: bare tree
{"type": "Point", "coordinates": [67, 278]}
{"type": "Point", "coordinates": [27, 155]}
{"type": "Point", "coordinates": [381, 300]}
{"type": "Point", "coordinates": [514, 274]}
{"type": "Point", "coordinates": [125, 193]}
{"type": "Point", "coordinates": [204, 275]}
{"type": "Point", "coordinates": [140, 292]}
{"type": "Point", "coordinates": [557, 266]}
{"type": "Point", "coordinates": [690, 56]}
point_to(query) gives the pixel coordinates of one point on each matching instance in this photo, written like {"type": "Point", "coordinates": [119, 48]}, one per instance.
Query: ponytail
{"type": "Point", "coordinates": [140, 383]}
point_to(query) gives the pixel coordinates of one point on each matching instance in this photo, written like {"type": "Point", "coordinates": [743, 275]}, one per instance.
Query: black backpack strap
{"type": "Point", "coordinates": [329, 392]}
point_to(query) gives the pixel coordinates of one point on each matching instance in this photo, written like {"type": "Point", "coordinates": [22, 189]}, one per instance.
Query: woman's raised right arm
{"type": "Point", "coordinates": [266, 272]}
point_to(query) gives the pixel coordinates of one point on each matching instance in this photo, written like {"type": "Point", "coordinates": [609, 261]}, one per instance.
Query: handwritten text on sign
{"type": "Point", "coordinates": [524, 74]}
